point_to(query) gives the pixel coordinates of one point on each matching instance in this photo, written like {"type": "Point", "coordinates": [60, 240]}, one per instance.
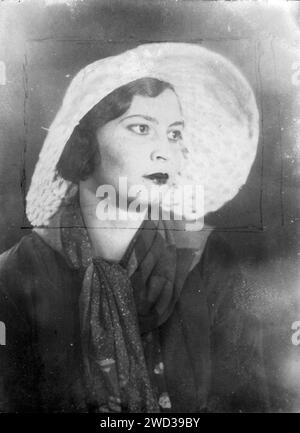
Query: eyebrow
{"type": "Point", "coordinates": [152, 119]}
{"type": "Point", "coordinates": [178, 123]}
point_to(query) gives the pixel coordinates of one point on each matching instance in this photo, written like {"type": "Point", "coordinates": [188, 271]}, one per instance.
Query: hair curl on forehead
{"type": "Point", "coordinates": [81, 153]}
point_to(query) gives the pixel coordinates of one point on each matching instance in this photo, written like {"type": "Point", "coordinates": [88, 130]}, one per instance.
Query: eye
{"type": "Point", "coordinates": [175, 135]}
{"type": "Point", "coordinates": [140, 128]}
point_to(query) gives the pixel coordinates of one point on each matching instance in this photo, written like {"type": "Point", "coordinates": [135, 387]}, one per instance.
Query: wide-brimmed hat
{"type": "Point", "coordinates": [219, 109]}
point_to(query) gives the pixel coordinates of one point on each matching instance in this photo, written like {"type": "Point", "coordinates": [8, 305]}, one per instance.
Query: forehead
{"type": "Point", "coordinates": [164, 107]}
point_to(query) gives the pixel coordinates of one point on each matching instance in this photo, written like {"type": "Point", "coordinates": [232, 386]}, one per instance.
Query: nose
{"type": "Point", "coordinates": [158, 156]}
{"type": "Point", "coordinates": [162, 151]}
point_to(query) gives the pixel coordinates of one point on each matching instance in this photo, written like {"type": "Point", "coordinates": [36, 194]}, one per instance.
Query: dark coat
{"type": "Point", "coordinates": [41, 363]}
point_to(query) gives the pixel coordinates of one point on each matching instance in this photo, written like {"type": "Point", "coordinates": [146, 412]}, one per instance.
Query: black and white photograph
{"type": "Point", "coordinates": [149, 222]}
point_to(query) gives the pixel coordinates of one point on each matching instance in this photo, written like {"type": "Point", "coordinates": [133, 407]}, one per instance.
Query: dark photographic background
{"type": "Point", "coordinates": [44, 45]}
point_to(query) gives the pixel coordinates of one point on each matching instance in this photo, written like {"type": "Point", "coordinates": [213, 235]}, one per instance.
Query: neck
{"type": "Point", "coordinates": [111, 237]}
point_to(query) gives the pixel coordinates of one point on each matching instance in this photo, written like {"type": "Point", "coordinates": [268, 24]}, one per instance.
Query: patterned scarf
{"type": "Point", "coordinates": [121, 307]}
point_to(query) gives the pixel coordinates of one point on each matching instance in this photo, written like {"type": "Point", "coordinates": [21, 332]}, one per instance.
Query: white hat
{"type": "Point", "coordinates": [219, 109]}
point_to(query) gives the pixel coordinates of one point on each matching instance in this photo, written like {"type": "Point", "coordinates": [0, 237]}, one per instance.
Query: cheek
{"type": "Point", "coordinates": [111, 159]}
{"type": "Point", "coordinates": [120, 161]}
{"type": "Point", "coordinates": [178, 159]}
{"type": "Point", "coordinates": [121, 155]}
{"type": "Point", "coordinates": [111, 152]}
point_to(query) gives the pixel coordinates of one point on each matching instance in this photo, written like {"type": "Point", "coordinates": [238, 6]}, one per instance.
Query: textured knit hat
{"type": "Point", "coordinates": [219, 109]}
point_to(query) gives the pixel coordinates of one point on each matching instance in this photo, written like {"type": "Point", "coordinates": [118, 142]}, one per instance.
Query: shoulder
{"type": "Point", "coordinates": [15, 259]}
{"type": "Point", "coordinates": [218, 249]}
{"type": "Point", "coordinates": [219, 262]}
{"type": "Point", "coordinates": [227, 286]}
{"type": "Point", "coordinates": [28, 270]}
{"type": "Point", "coordinates": [14, 264]}
{"type": "Point", "coordinates": [230, 288]}
{"type": "Point", "coordinates": [20, 259]}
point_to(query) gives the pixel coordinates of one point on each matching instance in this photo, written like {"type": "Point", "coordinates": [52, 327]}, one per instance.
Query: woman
{"type": "Point", "coordinates": [125, 313]}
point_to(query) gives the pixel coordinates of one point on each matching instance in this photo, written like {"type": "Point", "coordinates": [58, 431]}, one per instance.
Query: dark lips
{"type": "Point", "coordinates": [158, 177]}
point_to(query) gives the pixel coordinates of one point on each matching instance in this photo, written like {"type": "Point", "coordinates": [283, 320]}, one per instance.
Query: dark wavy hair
{"type": "Point", "coordinates": [81, 152]}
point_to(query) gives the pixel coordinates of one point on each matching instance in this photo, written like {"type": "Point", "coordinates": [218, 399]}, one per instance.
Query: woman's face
{"type": "Point", "coordinates": [143, 145]}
